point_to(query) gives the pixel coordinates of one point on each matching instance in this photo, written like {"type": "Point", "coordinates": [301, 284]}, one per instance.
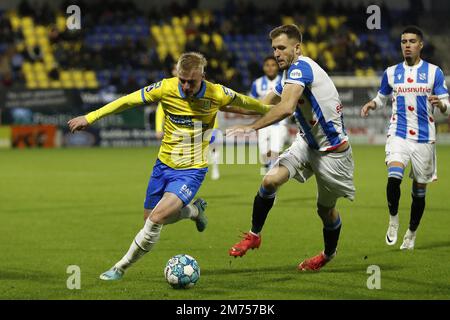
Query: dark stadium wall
{"type": "Point", "coordinates": [211, 4]}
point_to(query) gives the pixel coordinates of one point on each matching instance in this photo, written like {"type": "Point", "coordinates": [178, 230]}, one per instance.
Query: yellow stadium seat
{"type": "Point", "coordinates": [321, 46]}
{"type": "Point", "coordinates": [61, 23]}
{"type": "Point", "coordinates": [42, 76]}
{"type": "Point", "coordinates": [176, 21]}
{"type": "Point", "coordinates": [38, 66]}
{"type": "Point", "coordinates": [312, 49]}
{"type": "Point", "coordinates": [370, 72]}
{"type": "Point", "coordinates": [329, 60]}
{"type": "Point", "coordinates": [313, 30]}
{"type": "Point", "coordinates": [15, 22]}
{"type": "Point", "coordinates": [359, 72]}
{"type": "Point", "coordinates": [31, 85]}
{"type": "Point", "coordinates": [65, 76]}
{"type": "Point", "coordinates": [167, 30]}
{"type": "Point", "coordinates": [27, 22]}
{"type": "Point", "coordinates": [92, 84]}
{"type": "Point", "coordinates": [360, 55]}
{"type": "Point", "coordinates": [155, 31]}
{"type": "Point", "coordinates": [80, 84]}
{"type": "Point", "coordinates": [55, 84]}
{"type": "Point", "coordinates": [205, 38]}
{"type": "Point", "coordinates": [67, 84]}
{"type": "Point", "coordinates": [218, 41]}
{"type": "Point", "coordinates": [43, 84]}
{"type": "Point", "coordinates": [26, 66]}
{"type": "Point", "coordinates": [322, 23]}
{"type": "Point", "coordinates": [334, 22]}
{"type": "Point", "coordinates": [77, 75]}
{"type": "Point", "coordinates": [196, 18]}
{"type": "Point", "coordinates": [90, 76]}
{"type": "Point", "coordinates": [287, 20]}
{"type": "Point", "coordinates": [185, 20]}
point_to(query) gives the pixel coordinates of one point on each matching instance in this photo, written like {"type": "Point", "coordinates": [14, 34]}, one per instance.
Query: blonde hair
{"type": "Point", "coordinates": [191, 60]}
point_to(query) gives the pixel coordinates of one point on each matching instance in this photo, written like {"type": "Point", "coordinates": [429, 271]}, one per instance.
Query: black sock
{"type": "Point", "coordinates": [261, 206]}
{"type": "Point", "coordinates": [417, 208]}
{"type": "Point", "coordinates": [331, 237]}
{"type": "Point", "coordinates": [393, 195]}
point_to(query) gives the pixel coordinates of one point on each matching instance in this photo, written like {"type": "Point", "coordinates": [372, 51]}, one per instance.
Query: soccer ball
{"type": "Point", "coordinates": [182, 271]}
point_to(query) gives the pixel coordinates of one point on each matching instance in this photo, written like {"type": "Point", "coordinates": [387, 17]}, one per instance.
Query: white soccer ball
{"type": "Point", "coordinates": [182, 271]}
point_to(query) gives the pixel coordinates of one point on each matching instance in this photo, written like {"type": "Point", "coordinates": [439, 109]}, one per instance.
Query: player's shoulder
{"type": "Point", "coordinates": [217, 90]}
{"type": "Point", "coordinates": [431, 66]}
{"type": "Point", "coordinates": [258, 80]}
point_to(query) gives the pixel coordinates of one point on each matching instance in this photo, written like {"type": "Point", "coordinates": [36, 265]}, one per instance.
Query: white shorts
{"type": "Point", "coordinates": [421, 155]}
{"type": "Point", "coordinates": [272, 138]}
{"type": "Point", "coordinates": [333, 170]}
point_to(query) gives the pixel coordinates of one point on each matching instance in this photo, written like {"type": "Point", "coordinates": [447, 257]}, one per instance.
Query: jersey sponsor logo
{"type": "Point", "coordinates": [153, 86]}
{"type": "Point", "coordinates": [184, 121]}
{"type": "Point", "coordinates": [186, 191]}
{"type": "Point", "coordinates": [421, 89]}
{"type": "Point", "coordinates": [228, 91]}
{"type": "Point", "coordinates": [295, 74]}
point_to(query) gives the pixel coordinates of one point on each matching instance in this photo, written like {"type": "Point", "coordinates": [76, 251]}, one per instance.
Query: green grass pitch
{"type": "Point", "coordinates": [84, 206]}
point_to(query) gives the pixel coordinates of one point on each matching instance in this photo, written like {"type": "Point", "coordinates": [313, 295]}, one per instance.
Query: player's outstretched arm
{"type": "Point", "coordinates": [134, 99]}
{"type": "Point", "coordinates": [285, 108]}
{"type": "Point", "coordinates": [371, 105]}
{"type": "Point", "coordinates": [289, 99]}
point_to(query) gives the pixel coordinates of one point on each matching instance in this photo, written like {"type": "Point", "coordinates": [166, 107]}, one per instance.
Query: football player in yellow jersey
{"type": "Point", "coordinates": [190, 106]}
{"type": "Point", "coordinates": [214, 154]}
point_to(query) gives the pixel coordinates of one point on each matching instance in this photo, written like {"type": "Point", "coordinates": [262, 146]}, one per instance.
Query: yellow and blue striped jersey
{"type": "Point", "coordinates": [188, 121]}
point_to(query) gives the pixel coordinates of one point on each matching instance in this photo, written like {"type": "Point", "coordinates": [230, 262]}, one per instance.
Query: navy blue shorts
{"type": "Point", "coordinates": [184, 183]}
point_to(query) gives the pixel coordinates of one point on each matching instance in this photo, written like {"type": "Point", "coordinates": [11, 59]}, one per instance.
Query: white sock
{"type": "Point", "coordinates": [393, 219]}
{"type": "Point", "coordinates": [255, 234]}
{"type": "Point", "coordinates": [142, 243]}
{"type": "Point", "coordinates": [188, 212]}
{"type": "Point", "coordinates": [410, 233]}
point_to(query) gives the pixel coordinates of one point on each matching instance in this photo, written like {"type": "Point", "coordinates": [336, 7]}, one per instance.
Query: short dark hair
{"type": "Point", "coordinates": [269, 58]}
{"type": "Point", "coordinates": [414, 30]}
{"type": "Point", "coordinates": [290, 30]}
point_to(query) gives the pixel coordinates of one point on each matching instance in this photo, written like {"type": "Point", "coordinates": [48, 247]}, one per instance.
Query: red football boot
{"type": "Point", "coordinates": [315, 263]}
{"type": "Point", "coordinates": [249, 241]}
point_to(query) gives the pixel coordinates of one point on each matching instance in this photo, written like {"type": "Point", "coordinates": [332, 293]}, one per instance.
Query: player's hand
{"type": "Point", "coordinates": [437, 103]}
{"type": "Point", "coordinates": [239, 129]}
{"type": "Point", "coordinates": [159, 135]}
{"type": "Point", "coordinates": [78, 123]}
{"type": "Point", "coordinates": [367, 107]}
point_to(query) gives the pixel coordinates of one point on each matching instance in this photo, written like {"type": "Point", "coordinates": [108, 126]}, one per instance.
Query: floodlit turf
{"type": "Point", "coordinates": [84, 206]}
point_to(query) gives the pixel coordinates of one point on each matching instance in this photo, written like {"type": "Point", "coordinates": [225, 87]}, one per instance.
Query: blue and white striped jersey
{"type": "Point", "coordinates": [319, 110]}
{"type": "Point", "coordinates": [262, 86]}
{"type": "Point", "coordinates": [410, 86]}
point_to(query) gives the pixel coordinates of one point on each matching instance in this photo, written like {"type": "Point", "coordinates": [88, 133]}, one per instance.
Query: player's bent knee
{"type": "Point", "coordinates": [270, 182]}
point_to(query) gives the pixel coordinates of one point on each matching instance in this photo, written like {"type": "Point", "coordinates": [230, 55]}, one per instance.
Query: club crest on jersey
{"type": "Point", "coordinates": [228, 92]}
{"type": "Point", "coordinates": [422, 76]}
{"type": "Point", "coordinates": [295, 74]}
{"type": "Point", "coordinates": [206, 104]}
{"type": "Point", "coordinates": [153, 86]}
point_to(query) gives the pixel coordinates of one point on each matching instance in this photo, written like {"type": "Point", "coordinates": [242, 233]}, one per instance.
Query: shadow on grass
{"type": "Point", "coordinates": [433, 245]}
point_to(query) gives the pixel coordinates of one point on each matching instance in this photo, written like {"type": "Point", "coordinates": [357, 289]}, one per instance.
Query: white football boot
{"type": "Point", "coordinates": [408, 240]}
{"type": "Point", "coordinates": [391, 234]}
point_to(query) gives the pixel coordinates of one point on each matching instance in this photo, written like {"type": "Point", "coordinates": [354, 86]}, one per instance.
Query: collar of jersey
{"type": "Point", "coordinates": [415, 66]}
{"type": "Point", "coordinates": [199, 94]}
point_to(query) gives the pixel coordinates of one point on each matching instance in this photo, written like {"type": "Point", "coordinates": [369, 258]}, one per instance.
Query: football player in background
{"type": "Point", "coordinates": [417, 88]}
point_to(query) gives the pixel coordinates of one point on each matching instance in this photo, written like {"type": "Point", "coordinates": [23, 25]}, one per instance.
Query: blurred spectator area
{"type": "Point", "coordinates": [125, 47]}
